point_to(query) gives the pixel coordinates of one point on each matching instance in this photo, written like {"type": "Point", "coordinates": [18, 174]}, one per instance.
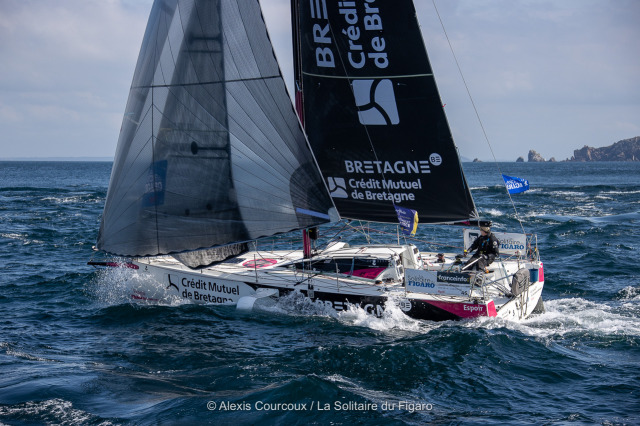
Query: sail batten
{"type": "Point", "coordinates": [210, 153]}
{"type": "Point", "coordinates": [366, 77]}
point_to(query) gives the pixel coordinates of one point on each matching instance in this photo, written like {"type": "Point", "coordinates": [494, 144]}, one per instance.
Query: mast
{"type": "Point", "coordinates": [297, 59]}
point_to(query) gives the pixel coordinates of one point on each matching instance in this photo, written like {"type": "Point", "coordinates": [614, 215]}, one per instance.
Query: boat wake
{"type": "Point", "coordinates": [116, 286]}
{"type": "Point", "coordinates": [393, 318]}
{"type": "Point", "coordinates": [578, 317]}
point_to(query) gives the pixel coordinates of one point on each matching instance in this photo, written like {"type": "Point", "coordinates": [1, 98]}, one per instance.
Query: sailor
{"type": "Point", "coordinates": [488, 248]}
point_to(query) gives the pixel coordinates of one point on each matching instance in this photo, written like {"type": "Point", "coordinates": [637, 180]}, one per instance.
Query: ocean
{"type": "Point", "coordinates": [75, 349]}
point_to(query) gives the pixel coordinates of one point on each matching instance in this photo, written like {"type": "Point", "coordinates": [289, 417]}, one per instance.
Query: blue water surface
{"type": "Point", "coordinates": [74, 349]}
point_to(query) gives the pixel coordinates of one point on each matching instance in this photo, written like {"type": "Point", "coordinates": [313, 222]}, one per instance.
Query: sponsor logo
{"type": "Point", "coordinates": [387, 167]}
{"type": "Point", "coordinates": [376, 102]}
{"type": "Point", "coordinates": [473, 308]}
{"type": "Point", "coordinates": [405, 305]}
{"type": "Point", "coordinates": [511, 245]}
{"type": "Point", "coordinates": [337, 187]}
{"type": "Point", "coordinates": [448, 277]}
{"type": "Point", "coordinates": [207, 291]}
{"type": "Point", "coordinates": [435, 159]}
{"type": "Point", "coordinates": [425, 284]}
{"type": "Point", "coordinates": [172, 284]}
{"type": "Point", "coordinates": [370, 308]}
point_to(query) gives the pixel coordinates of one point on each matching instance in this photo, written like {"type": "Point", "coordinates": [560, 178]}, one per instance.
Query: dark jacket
{"type": "Point", "coordinates": [487, 245]}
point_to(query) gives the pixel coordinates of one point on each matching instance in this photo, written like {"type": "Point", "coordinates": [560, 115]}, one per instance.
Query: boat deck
{"type": "Point", "coordinates": [369, 270]}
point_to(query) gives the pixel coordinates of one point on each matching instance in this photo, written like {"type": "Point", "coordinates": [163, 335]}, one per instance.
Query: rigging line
{"type": "Point", "coordinates": [477, 114]}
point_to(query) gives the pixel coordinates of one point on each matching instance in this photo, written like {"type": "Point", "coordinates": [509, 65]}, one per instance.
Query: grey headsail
{"type": "Point", "coordinates": [211, 152]}
{"type": "Point", "coordinates": [372, 111]}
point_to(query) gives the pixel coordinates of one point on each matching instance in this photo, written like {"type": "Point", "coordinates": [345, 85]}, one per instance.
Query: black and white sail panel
{"type": "Point", "coordinates": [210, 151]}
{"type": "Point", "coordinates": [373, 114]}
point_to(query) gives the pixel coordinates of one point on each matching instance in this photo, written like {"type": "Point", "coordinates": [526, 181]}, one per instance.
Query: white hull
{"type": "Point", "coordinates": [378, 275]}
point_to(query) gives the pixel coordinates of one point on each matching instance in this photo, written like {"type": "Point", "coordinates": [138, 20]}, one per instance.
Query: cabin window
{"type": "Point", "coordinates": [357, 266]}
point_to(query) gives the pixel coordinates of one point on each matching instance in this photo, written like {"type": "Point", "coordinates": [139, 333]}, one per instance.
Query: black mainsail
{"type": "Point", "coordinates": [211, 152]}
{"type": "Point", "coordinates": [372, 111]}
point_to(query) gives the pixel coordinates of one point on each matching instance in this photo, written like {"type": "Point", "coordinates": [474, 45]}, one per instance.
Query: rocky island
{"type": "Point", "coordinates": [624, 150]}
{"type": "Point", "coordinates": [534, 157]}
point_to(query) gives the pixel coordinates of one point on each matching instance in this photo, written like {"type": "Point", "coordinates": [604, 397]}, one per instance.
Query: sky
{"type": "Point", "coordinates": [546, 75]}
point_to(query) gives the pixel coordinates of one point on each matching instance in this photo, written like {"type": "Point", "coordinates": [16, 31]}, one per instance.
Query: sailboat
{"type": "Point", "coordinates": [213, 157]}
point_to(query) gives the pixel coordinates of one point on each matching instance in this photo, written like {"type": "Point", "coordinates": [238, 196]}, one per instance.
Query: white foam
{"type": "Point", "coordinates": [630, 293]}
{"type": "Point", "coordinates": [621, 192]}
{"type": "Point", "coordinates": [20, 237]}
{"type": "Point", "coordinates": [568, 193]}
{"type": "Point", "coordinates": [115, 286]}
{"type": "Point", "coordinates": [78, 197]}
{"type": "Point", "coordinates": [392, 318]}
{"type": "Point", "coordinates": [12, 236]}
{"type": "Point", "coordinates": [28, 357]}
{"type": "Point", "coordinates": [493, 212]}
{"type": "Point", "coordinates": [64, 200]}
{"type": "Point", "coordinates": [59, 409]}
{"type": "Point", "coordinates": [298, 304]}
{"type": "Point", "coordinates": [575, 316]}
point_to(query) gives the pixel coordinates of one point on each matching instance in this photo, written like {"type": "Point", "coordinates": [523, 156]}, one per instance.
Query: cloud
{"type": "Point", "coordinates": [70, 62]}
{"type": "Point", "coordinates": [545, 75]}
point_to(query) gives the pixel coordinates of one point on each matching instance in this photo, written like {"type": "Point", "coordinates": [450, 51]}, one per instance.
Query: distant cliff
{"type": "Point", "coordinates": [624, 150]}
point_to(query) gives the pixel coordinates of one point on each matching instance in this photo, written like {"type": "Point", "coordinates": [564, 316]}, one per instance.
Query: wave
{"type": "Point", "coordinates": [50, 411]}
{"type": "Point", "coordinates": [117, 286]}
{"type": "Point", "coordinates": [492, 212]}
{"type": "Point", "coordinates": [75, 199]}
{"type": "Point", "coordinates": [577, 317]}
{"type": "Point", "coordinates": [607, 218]}
{"type": "Point", "coordinates": [34, 189]}
{"type": "Point", "coordinates": [629, 293]}
{"type": "Point", "coordinates": [392, 319]}
{"type": "Point", "coordinates": [20, 237]}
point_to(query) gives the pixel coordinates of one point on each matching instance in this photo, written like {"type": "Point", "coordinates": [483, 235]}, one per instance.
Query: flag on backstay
{"type": "Point", "coordinates": [408, 219]}
{"type": "Point", "coordinates": [515, 184]}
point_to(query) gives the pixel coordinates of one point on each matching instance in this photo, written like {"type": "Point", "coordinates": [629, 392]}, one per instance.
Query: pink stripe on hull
{"type": "Point", "coordinates": [466, 310]}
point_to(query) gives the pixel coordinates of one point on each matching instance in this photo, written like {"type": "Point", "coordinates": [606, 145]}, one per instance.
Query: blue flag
{"type": "Point", "coordinates": [408, 219]}
{"type": "Point", "coordinates": [515, 184]}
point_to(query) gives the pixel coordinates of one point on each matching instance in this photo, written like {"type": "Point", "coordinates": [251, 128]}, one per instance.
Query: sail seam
{"type": "Point", "coordinates": [201, 83]}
